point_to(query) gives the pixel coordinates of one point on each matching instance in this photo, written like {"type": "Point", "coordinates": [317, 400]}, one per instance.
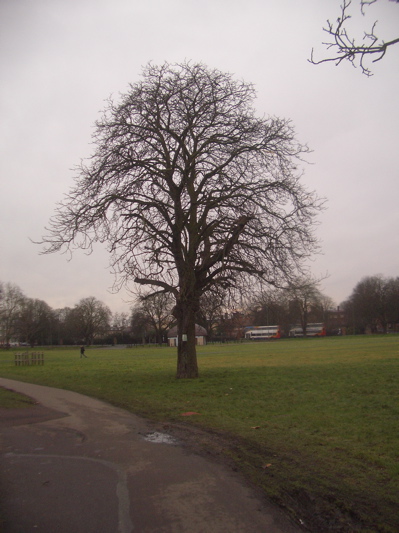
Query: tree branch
{"type": "Point", "coordinates": [345, 47]}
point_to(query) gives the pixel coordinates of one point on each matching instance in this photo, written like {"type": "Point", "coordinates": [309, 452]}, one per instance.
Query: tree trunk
{"type": "Point", "coordinates": [187, 366]}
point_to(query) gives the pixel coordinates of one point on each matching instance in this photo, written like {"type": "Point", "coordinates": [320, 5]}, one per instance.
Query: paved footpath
{"type": "Point", "coordinates": [84, 466]}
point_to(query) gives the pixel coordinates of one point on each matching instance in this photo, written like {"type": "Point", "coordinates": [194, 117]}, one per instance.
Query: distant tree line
{"type": "Point", "coordinates": [373, 307]}
{"type": "Point", "coordinates": [32, 321]}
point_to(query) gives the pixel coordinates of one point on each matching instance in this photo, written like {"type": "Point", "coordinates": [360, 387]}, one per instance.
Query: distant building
{"type": "Point", "coordinates": [200, 336]}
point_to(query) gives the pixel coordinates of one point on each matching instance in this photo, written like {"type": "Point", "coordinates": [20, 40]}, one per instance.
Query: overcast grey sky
{"type": "Point", "coordinates": [61, 59]}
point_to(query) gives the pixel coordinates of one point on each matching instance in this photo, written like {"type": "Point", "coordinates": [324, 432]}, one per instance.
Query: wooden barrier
{"type": "Point", "coordinates": [37, 358]}
{"type": "Point", "coordinates": [26, 358]}
{"type": "Point", "coordinates": [21, 359]}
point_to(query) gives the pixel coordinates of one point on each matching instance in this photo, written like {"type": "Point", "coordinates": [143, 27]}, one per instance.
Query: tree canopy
{"type": "Point", "coordinates": [191, 191]}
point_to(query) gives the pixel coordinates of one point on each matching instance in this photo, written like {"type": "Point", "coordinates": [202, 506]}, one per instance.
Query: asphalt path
{"type": "Point", "coordinates": [77, 464]}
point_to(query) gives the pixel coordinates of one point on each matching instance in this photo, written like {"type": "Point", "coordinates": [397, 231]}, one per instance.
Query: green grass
{"type": "Point", "coordinates": [13, 400]}
{"type": "Point", "coordinates": [326, 413]}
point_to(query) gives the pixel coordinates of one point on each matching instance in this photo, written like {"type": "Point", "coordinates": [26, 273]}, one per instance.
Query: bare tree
{"type": "Point", "coordinates": [191, 191]}
{"type": "Point", "coordinates": [11, 303]}
{"type": "Point", "coordinates": [120, 321]}
{"type": "Point", "coordinates": [158, 308]}
{"type": "Point", "coordinates": [35, 322]}
{"type": "Point", "coordinates": [90, 318]}
{"type": "Point", "coordinates": [64, 326]}
{"type": "Point", "coordinates": [212, 307]}
{"type": "Point", "coordinates": [270, 307]}
{"type": "Point", "coordinates": [121, 328]}
{"type": "Point", "coordinates": [306, 301]}
{"type": "Point", "coordinates": [373, 304]}
{"type": "Point", "coordinates": [139, 324]}
{"type": "Point", "coordinates": [345, 47]}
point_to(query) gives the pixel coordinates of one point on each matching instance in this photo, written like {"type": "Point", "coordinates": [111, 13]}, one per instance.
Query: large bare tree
{"type": "Point", "coordinates": [191, 190]}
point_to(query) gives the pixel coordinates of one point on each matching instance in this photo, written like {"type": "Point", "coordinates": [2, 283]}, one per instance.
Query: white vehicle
{"type": "Point", "coordinates": [312, 330]}
{"type": "Point", "coordinates": [262, 332]}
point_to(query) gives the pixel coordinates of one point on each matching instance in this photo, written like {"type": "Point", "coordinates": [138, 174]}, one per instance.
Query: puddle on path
{"type": "Point", "coordinates": [160, 438]}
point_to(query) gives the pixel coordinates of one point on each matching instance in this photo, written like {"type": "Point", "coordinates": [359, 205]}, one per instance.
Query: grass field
{"type": "Point", "coordinates": [314, 422]}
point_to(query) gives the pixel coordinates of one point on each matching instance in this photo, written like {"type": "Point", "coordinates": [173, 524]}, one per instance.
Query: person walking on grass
{"type": "Point", "coordinates": [82, 352]}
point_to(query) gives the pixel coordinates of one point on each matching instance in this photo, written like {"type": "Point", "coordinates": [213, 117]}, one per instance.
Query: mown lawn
{"type": "Point", "coordinates": [314, 422]}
